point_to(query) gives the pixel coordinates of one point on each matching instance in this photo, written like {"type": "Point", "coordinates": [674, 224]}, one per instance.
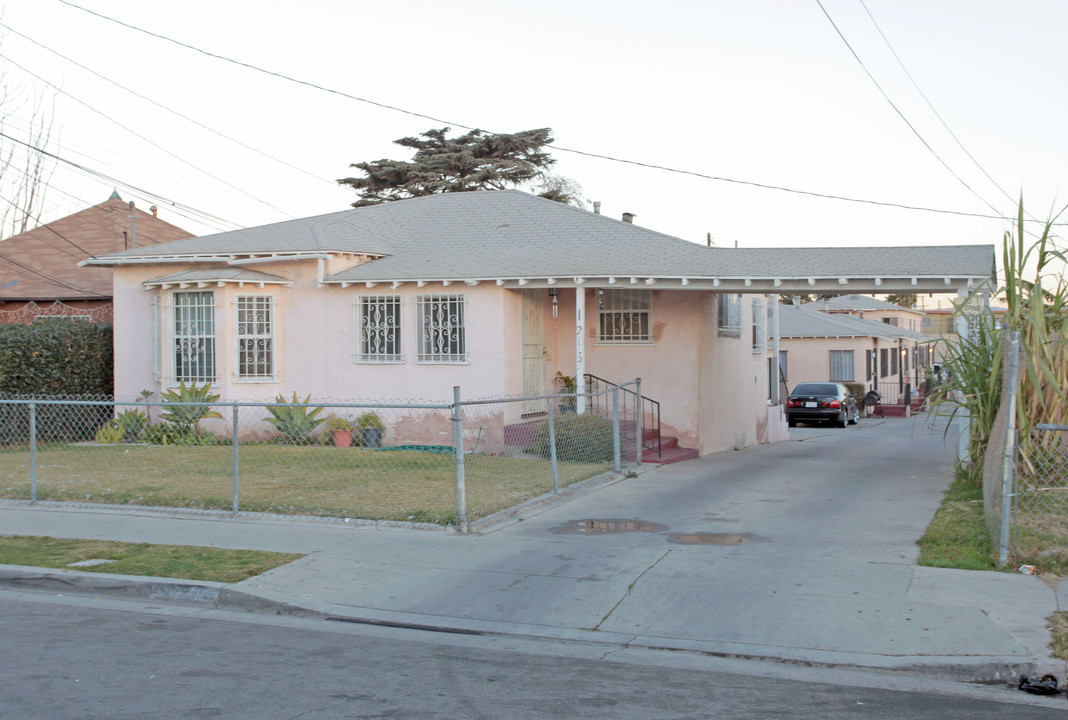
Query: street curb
{"type": "Point", "coordinates": [234, 598]}
{"type": "Point", "coordinates": [90, 583]}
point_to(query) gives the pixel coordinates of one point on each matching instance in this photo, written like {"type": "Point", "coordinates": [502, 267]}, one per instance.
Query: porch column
{"type": "Point", "coordinates": [580, 347]}
{"type": "Point", "coordinates": [776, 372]}
{"type": "Point", "coordinates": [963, 331]}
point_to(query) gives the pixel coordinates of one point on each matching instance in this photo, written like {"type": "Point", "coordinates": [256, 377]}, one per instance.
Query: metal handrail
{"type": "Point", "coordinates": [653, 410]}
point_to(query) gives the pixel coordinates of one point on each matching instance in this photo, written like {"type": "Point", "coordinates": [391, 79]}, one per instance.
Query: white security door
{"type": "Point", "coordinates": [533, 347]}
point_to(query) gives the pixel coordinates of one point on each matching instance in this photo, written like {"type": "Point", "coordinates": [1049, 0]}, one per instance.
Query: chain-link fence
{"type": "Point", "coordinates": [1041, 518]}
{"type": "Point", "coordinates": [998, 458]}
{"type": "Point", "coordinates": [417, 462]}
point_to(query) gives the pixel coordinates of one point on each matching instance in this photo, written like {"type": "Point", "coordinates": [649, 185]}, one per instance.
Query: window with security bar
{"type": "Point", "coordinates": [194, 336]}
{"type": "Point", "coordinates": [624, 316]}
{"type": "Point", "coordinates": [255, 337]}
{"type": "Point", "coordinates": [379, 331]}
{"type": "Point", "coordinates": [442, 335]}
{"type": "Point", "coordinates": [760, 325]}
{"type": "Point", "coordinates": [729, 314]}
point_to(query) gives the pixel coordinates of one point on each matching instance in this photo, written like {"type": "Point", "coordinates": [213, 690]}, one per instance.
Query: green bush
{"type": "Point", "coordinates": [55, 359]}
{"type": "Point", "coordinates": [192, 404]}
{"type": "Point", "coordinates": [579, 438]}
{"type": "Point", "coordinates": [171, 434]}
{"type": "Point", "coordinates": [294, 419]}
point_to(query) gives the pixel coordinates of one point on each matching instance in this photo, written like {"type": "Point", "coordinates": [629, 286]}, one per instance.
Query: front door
{"type": "Point", "coordinates": [533, 348]}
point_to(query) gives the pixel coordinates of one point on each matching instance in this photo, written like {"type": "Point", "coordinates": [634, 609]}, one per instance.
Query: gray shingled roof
{"type": "Point", "coordinates": [808, 321]}
{"type": "Point", "coordinates": [857, 303]}
{"type": "Point", "coordinates": [507, 235]}
{"type": "Point", "coordinates": [219, 274]}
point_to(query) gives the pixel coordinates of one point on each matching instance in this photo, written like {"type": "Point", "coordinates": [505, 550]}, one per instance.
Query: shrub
{"type": "Point", "coordinates": [193, 404]}
{"type": "Point", "coordinates": [579, 438]}
{"type": "Point", "coordinates": [110, 433]}
{"type": "Point", "coordinates": [294, 419]}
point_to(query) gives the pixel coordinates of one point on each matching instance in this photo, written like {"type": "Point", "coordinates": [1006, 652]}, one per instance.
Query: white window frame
{"type": "Point", "coordinates": [257, 363]}
{"type": "Point", "coordinates": [624, 317]}
{"type": "Point", "coordinates": [193, 324]}
{"type": "Point", "coordinates": [157, 338]}
{"type": "Point", "coordinates": [379, 326]}
{"type": "Point", "coordinates": [729, 314]}
{"type": "Point", "coordinates": [442, 329]}
{"type": "Point", "coordinates": [841, 365]}
{"type": "Point", "coordinates": [760, 325]}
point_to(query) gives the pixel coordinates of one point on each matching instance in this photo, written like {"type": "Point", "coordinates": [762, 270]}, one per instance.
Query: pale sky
{"type": "Point", "coordinates": [760, 91]}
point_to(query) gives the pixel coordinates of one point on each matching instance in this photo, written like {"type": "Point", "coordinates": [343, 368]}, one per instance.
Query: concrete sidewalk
{"type": "Point", "coordinates": [750, 554]}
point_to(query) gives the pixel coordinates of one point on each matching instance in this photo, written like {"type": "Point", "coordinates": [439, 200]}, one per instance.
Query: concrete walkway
{"type": "Point", "coordinates": [801, 551]}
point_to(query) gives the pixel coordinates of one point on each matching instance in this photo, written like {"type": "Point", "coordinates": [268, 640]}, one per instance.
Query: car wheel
{"type": "Point", "coordinates": [841, 421]}
{"type": "Point", "coordinates": [791, 422]}
{"type": "Point", "coordinates": [856, 417]}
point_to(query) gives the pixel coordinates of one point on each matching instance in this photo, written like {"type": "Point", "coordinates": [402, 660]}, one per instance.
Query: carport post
{"type": "Point", "coordinates": [458, 459]}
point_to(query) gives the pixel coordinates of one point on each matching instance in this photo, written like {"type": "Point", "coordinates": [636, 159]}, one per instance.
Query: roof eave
{"type": "Point", "coordinates": [739, 284]}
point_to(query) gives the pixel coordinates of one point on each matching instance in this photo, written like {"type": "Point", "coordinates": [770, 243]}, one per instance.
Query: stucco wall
{"type": "Point", "coordinates": [809, 359]}
{"type": "Point", "coordinates": [316, 341]}
{"type": "Point", "coordinates": [712, 389]}
{"type": "Point", "coordinates": [734, 387]}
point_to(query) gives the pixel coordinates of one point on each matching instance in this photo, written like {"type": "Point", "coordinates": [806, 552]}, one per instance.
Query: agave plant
{"type": "Point", "coordinates": [295, 419]}
{"type": "Point", "coordinates": [191, 405]}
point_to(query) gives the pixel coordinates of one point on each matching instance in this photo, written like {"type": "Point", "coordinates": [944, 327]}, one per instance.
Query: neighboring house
{"type": "Point", "coordinates": [39, 273]}
{"type": "Point", "coordinates": [869, 308]}
{"type": "Point", "coordinates": [837, 347]}
{"type": "Point", "coordinates": [494, 292]}
{"type": "Point", "coordinates": [941, 325]}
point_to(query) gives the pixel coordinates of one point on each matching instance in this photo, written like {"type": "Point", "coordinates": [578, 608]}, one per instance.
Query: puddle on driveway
{"type": "Point", "coordinates": [706, 538]}
{"type": "Point", "coordinates": [607, 526]}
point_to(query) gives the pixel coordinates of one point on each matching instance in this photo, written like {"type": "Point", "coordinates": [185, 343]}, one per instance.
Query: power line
{"type": "Point", "coordinates": [142, 137]}
{"type": "Point", "coordinates": [898, 110]}
{"type": "Point", "coordinates": [931, 106]}
{"type": "Point", "coordinates": [114, 181]}
{"type": "Point", "coordinates": [164, 107]}
{"type": "Point", "coordinates": [599, 156]}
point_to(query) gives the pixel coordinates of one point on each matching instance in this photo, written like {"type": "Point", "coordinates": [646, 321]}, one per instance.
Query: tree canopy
{"type": "Point", "coordinates": [476, 160]}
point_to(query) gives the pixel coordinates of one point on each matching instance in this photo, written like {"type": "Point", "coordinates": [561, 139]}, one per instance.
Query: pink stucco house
{"type": "Point", "coordinates": [494, 292]}
{"type": "Point", "coordinates": [817, 345]}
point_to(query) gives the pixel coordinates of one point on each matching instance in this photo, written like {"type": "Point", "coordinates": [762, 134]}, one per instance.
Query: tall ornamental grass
{"type": "Point", "coordinates": [1037, 309]}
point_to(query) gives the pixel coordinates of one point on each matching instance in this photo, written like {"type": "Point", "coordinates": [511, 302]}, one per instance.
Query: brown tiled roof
{"type": "Point", "coordinates": [42, 264]}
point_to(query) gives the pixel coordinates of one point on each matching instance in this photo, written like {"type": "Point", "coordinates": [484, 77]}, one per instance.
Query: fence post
{"type": "Point", "coordinates": [552, 447]}
{"type": "Point", "coordinates": [639, 429]}
{"type": "Point", "coordinates": [33, 452]}
{"type": "Point", "coordinates": [615, 430]}
{"type": "Point", "coordinates": [458, 459]}
{"type": "Point", "coordinates": [236, 461]}
{"type": "Point", "coordinates": [1008, 452]}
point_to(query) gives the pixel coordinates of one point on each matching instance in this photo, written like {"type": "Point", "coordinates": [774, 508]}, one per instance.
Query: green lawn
{"type": "Point", "coordinates": [307, 480]}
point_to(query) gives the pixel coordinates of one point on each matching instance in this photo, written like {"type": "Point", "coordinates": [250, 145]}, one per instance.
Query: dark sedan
{"type": "Point", "coordinates": [822, 402]}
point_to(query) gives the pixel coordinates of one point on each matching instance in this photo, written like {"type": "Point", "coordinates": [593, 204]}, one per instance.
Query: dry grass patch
{"type": "Point", "coordinates": [306, 480]}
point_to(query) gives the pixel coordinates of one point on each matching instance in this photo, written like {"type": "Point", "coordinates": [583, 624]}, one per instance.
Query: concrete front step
{"type": "Point", "coordinates": [670, 455]}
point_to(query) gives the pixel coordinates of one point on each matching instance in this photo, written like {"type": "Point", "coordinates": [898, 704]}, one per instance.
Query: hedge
{"type": "Point", "coordinates": [55, 358]}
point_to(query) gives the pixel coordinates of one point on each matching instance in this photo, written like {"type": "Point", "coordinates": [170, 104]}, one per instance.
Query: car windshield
{"type": "Point", "coordinates": [815, 389]}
